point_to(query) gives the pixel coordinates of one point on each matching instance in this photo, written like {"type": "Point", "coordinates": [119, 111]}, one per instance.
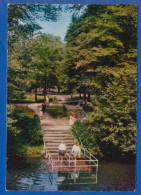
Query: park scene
{"type": "Point", "coordinates": [71, 97]}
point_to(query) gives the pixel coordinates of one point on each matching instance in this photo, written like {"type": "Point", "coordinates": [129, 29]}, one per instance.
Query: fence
{"type": "Point", "coordinates": [71, 162]}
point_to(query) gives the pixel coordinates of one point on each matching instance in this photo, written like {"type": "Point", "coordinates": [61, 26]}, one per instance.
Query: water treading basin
{"type": "Point", "coordinates": [33, 175]}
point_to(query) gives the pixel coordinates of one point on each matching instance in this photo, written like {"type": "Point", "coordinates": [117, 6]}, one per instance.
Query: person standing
{"type": "Point", "coordinates": [76, 150]}
{"type": "Point", "coordinates": [42, 111]}
{"type": "Point", "coordinates": [72, 118]}
{"type": "Point", "coordinates": [62, 149]}
{"type": "Point", "coordinates": [47, 99]}
{"type": "Point", "coordinates": [43, 107]}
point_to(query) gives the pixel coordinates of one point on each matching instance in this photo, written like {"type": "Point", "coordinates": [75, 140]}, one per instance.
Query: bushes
{"type": "Point", "coordinates": [31, 130]}
{"type": "Point", "coordinates": [84, 134]}
{"type": "Point", "coordinates": [24, 132]}
{"type": "Point", "coordinates": [104, 143]}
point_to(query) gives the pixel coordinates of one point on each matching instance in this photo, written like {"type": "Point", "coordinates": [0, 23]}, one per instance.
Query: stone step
{"type": "Point", "coordinates": [56, 151]}
{"type": "Point", "coordinates": [58, 141]}
{"type": "Point", "coordinates": [55, 148]}
{"type": "Point", "coordinates": [58, 138]}
{"type": "Point", "coordinates": [56, 128]}
{"type": "Point", "coordinates": [62, 132]}
{"type": "Point", "coordinates": [57, 144]}
{"type": "Point", "coordinates": [57, 133]}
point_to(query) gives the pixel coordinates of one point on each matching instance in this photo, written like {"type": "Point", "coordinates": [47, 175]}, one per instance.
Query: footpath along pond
{"type": "Point", "coordinates": [32, 175]}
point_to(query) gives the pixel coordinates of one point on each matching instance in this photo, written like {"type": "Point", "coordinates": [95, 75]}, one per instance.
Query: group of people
{"type": "Point", "coordinates": [62, 150]}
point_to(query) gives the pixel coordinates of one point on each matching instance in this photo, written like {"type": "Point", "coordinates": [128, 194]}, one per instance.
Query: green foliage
{"type": "Point", "coordinates": [58, 111]}
{"type": "Point", "coordinates": [86, 136]}
{"type": "Point", "coordinates": [50, 100]}
{"type": "Point", "coordinates": [22, 28]}
{"type": "Point", "coordinates": [23, 131]}
{"type": "Point", "coordinates": [22, 19]}
{"type": "Point", "coordinates": [33, 151]}
{"type": "Point", "coordinates": [101, 60]}
{"type": "Point", "coordinates": [47, 55]}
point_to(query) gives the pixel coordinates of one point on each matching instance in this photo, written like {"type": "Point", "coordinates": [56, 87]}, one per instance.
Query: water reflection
{"type": "Point", "coordinates": [32, 175]}
{"type": "Point", "coordinates": [77, 178]}
{"type": "Point", "coordinates": [74, 176]}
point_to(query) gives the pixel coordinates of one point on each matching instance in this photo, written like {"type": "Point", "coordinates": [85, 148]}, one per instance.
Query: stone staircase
{"type": "Point", "coordinates": [53, 136]}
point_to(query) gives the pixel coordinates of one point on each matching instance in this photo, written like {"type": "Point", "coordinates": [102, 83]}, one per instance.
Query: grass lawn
{"type": "Point", "coordinates": [30, 97]}
{"type": "Point", "coordinates": [62, 111]}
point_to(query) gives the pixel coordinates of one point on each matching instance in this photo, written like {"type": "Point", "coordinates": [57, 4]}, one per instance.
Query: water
{"type": "Point", "coordinates": [32, 175]}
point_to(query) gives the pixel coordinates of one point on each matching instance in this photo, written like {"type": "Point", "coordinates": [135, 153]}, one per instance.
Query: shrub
{"type": "Point", "coordinates": [24, 132]}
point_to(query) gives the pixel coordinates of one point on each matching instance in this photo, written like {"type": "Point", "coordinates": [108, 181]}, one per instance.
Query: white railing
{"type": "Point", "coordinates": [91, 159]}
{"type": "Point", "coordinates": [87, 154]}
{"type": "Point", "coordinates": [70, 159]}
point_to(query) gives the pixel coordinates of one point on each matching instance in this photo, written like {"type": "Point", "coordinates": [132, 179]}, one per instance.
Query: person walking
{"type": "Point", "coordinates": [62, 150]}
{"type": "Point", "coordinates": [42, 111]}
{"type": "Point", "coordinates": [43, 107]}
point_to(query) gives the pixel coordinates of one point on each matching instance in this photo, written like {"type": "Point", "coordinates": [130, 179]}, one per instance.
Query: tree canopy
{"type": "Point", "coordinates": [101, 54]}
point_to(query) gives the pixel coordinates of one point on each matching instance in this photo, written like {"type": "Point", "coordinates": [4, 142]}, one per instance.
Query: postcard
{"type": "Point", "coordinates": [69, 98]}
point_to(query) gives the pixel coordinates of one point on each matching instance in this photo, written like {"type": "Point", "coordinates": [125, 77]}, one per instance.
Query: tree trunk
{"type": "Point", "coordinates": [89, 97]}
{"type": "Point", "coordinates": [71, 95]}
{"type": "Point", "coordinates": [45, 87]}
{"type": "Point", "coordinates": [59, 89]}
{"type": "Point", "coordinates": [84, 95]}
{"type": "Point", "coordinates": [80, 95]}
{"type": "Point", "coordinates": [36, 95]}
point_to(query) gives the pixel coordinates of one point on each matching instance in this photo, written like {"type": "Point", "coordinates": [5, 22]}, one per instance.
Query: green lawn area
{"type": "Point", "coordinates": [62, 111]}
{"type": "Point", "coordinates": [30, 97]}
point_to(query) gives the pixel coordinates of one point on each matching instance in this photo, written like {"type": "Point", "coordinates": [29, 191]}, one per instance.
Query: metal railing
{"type": "Point", "coordinates": [90, 159]}
{"type": "Point", "coordinates": [72, 162]}
{"type": "Point", "coordinates": [87, 154]}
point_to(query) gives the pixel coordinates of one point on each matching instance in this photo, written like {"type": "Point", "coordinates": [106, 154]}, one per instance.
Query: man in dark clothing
{"type": "Point", "coordinates": [43, 107]}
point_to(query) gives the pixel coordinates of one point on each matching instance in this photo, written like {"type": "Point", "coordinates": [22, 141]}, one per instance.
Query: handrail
{"type": "Point", "coordinates": [50, 158]}
{"type": "Point", "coordinates": [86, 151]}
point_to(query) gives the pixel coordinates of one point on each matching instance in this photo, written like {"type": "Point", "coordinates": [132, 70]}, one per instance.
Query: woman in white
{"type": "Point", "coordinates": [76, 150]}
{"type": "Point", "coordinates": [62, 149]}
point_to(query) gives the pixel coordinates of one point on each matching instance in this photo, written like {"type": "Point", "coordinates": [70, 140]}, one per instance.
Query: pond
{"type": "Point", "coordinates": [32, 175]}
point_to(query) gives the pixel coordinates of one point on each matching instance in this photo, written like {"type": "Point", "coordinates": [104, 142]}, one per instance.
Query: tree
{"type": "Point", "coordinates": [102, 47]}
{"type": "Point", "coordinates": [47, 56]}
{"type": "Point", "coordinates": [22, 27]}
